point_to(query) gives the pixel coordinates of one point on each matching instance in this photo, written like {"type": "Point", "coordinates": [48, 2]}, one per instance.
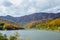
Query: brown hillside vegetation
{"type": "Point", "coordinates": [55, 22]}
{"type": "Point", "coordinates": [35, 24]}
{"type": "Point", "coordinates": [8, 24]}
{"type": "Point", "coordinates": [47, 24]}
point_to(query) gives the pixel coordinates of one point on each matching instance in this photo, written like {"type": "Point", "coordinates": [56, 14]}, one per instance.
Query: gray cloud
{"type": "Point", "coordinates": [7, 4]}
{"type": "Point", "coordinates": [26, 7]}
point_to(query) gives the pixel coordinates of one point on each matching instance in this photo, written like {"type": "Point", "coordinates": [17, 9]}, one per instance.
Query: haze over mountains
{"type": "Point", "coordinates": [32, 17]}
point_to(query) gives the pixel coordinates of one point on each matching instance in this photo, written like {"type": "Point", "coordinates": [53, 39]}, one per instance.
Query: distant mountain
{"type": "Point", "coordinates": [32, 17]}
{"type": "Point", "coordinates": [8, 17]}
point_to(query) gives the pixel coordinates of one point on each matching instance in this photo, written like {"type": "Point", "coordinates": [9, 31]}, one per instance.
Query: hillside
{"type": "Point", "coordinates": [55, 22]}
{"type": "Point", "coordinates": [48, 21]}
{"type": "Point", "coordinates": [32, 17]}
{"type": "Point", "coordinates": [36, 24]}
{"type": "Point", "coordinates": [46, 24]}
{"type": "Point", "coordinates": [8, 24]}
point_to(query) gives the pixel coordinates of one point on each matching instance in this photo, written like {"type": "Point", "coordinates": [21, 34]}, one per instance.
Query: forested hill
{"type": "Point", "coordinates": [32, 17]}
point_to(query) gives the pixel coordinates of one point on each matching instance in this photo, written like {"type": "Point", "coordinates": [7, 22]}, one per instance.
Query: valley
{"type": "Point", "coordinates": [37, 21]}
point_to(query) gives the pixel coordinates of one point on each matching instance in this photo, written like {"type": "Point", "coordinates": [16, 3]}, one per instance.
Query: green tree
{"type": "Point", "coordinates": [3, 37]}
{"type": "Point", "coordinates": [14, 37]}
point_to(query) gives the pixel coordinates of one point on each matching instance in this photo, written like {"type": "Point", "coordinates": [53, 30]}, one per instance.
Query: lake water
{"type": "Point", "coordinates": [35, 34]}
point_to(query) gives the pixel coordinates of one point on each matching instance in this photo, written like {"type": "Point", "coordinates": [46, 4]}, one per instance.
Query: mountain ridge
{"type": "Point", "coordinates": [32, 17]}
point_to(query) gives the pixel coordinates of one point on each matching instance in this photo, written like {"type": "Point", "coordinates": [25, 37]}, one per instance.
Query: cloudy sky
{"type": "Point", "coordinates": [25, 7]}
